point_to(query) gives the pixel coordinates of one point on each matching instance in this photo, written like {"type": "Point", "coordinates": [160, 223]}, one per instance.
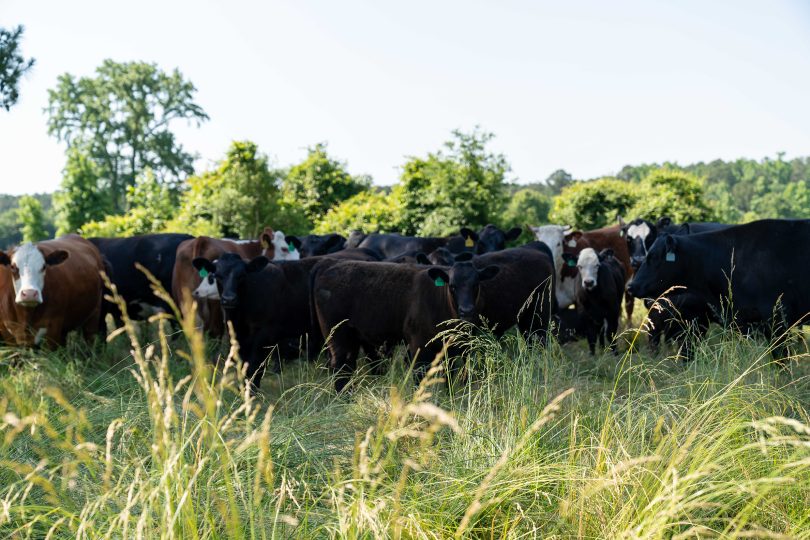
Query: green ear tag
{"type": "Point", "coordinates": [439, 282]}
{"type": "Point", "coordinates": [291, 246]}
{"type": "Point", "coordinates": [670, 256]}
{"type": "Point", "coordinates": [203, 273]}
{"type": "Point", "coordinates": [572, 263]}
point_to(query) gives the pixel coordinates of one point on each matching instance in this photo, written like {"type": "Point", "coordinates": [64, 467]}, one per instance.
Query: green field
{"type": "Point", "coordinates": [148, 437]}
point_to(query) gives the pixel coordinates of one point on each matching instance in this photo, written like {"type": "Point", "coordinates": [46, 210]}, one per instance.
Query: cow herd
{"type": "Point", "coordinates": [288, 295]}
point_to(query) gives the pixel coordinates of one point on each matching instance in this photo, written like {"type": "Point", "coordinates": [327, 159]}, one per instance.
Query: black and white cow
{"type": "Point", "coordinates": [640, 234]}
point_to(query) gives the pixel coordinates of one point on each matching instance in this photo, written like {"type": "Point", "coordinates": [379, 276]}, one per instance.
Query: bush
{"type": "Point", "coordinates": [593, 204]}
{"type": "Point", "coordinates": [368, 211]}
{"type": "Point", "coordinates": [672, 193]}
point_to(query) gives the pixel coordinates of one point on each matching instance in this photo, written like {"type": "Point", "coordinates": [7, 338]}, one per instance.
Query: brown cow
{"type": "Point", "coordinates": [187, 278]}
{"type": "Point", "coordinates": [605, 238]}
{"type": "Point", "coordinates": [48, 289]}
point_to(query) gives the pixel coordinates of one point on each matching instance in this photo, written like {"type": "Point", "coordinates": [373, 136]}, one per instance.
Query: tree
{"type": "Point", "coordinates": [460, 186]}
{"type": "Point", "coordinates": [526, 207]}
{"type": "Point", "coordinates": [320, 182]}
{"type": "Point", "coordinates": [558, 180]}
{"type": "Point", "coordinates": [122, 119]}
{"type": "Point", "coordinates": [368, 211]}
{"type": "Point", "coordinates": [32, 219]}
{"type": "Point", "coordinates": [238, 198]}
{"type": "Point", "coordinates": [12, 66]}
{"type": "Point", "coordinates": [672, 193]}
{"type": "Point", "coordinates": [593, 204]}
{"type": "Point", "coordinates": [151, 206]}
{"type": "Point", "coordinates": [80, 200]}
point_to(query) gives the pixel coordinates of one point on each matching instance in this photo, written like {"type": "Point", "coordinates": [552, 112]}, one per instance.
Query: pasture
{"type": "Point", "coordinates": [147, 437]}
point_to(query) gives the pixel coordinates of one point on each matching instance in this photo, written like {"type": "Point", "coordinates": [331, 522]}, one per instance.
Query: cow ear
{"type": "Point", "coordinates": [201, 263]}
{"type": "Point", "coordinates": [421, 258]}
{"type": "Point", "coordinates": [257, 264]}
{"type": "Point", "coordinates": [293, 240]}
{"type": "Point", "coordinates": [335, 240]}
{"type": "Point", "coordinates": [489, 272]}
{"type": "Point", "coordinates": [438, 276]}
{"type": "Point", "coordinates": [570, 259]}
{"type": "Point", "coordinates": [463, 257]}
{"type": "Point", "coordinates": [572, 238]}
{"type": "Point", "coordinates": [663, 222]}
{"type": "Point", "coordinates": [513, 233]}
{"type": "Point", "coordinates": [671, 243]}
{"type": "Point", "coordinates": [57, 257]}
{"type": "Point", "coordinates": [622, 224]}
{"type": "Point", "coordinates": [266, 239]}
{"type": "Point", "coordinates": [5, 260]}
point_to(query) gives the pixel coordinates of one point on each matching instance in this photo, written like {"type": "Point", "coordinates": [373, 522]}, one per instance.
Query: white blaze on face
{"type": "Point", "coordinates": [28, 267]}
{"type": "Point", "coordinates": [282, 251]}
{"type": "Point", "coordinates": [588, 266]}
{"type": "Point", "coordinates": [553, 236]}
{"type": "Point", "coordinates": [207, 289]}
{"type": "Point", "coordinates": [640, 231]}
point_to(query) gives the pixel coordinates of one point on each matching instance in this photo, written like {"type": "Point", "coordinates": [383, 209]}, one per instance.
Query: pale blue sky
{"type": "Point", "coordinates": [587, 86]}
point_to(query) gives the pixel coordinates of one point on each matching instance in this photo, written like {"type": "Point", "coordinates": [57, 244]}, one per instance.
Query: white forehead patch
{"type": "Point", "coordinates": [638, 231]}
{"type": "Point", "coordinates": [207, 289]}
{"type": "Point", "coordinates": [588, 265]}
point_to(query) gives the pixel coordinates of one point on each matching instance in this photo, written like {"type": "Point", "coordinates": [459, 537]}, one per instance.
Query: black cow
{"type": "Point", "coordinates": [640, 234]}
{"type": "Point", "coordinates": [410, 257]}
{"type": "Point", "coordinates": [268, 303]}
{"type": "Point", "coordinates": [393, 244]}
{"type": "Point", "coordinates": [156, 253]}
{"type": "Point", "coordinates": [763, 265]}
{"type": "Point", "coordinates": [523, 292]}
{"type": "Point", "coordinates": [317, 244]}
{"type": "Point", "coordinates": [491, 238]}
{"type": "Point", "coordinates": [371, 305]}
{"type": "Point", "coordinates": [678, 317]}
{"type": "Point", "coordinates": [598, 296]}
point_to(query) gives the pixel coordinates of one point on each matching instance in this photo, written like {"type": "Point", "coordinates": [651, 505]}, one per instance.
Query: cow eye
{"type": "Point", "coordinates": [14, 269]}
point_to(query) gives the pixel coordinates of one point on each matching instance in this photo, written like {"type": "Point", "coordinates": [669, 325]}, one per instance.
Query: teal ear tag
{"type": "Point", "coordinates": [572, 263]}
{"type": "Point", "coordinates": [439, 282]}
{"type": "Point", "coordinates": [670, 256]}
{"type": "Point", "coordinates": [291, 246]}
{"type": "Point", "coordinates": [203, 273]}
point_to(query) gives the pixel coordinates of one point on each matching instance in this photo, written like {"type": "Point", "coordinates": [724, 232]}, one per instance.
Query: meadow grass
{"type": "Point", "coordinates": [153, 435]}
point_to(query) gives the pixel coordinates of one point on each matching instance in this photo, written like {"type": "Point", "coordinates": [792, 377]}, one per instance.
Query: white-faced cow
{"type": "Point", "coordinates": [48, 289]}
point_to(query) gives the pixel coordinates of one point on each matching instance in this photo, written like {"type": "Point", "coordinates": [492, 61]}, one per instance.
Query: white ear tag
{"type": "Point", "coordinates": [670, 256]}
{"type": "Point", "coordinates": [572, 243]}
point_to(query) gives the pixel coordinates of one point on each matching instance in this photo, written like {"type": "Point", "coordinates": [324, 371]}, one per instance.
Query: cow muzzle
{"type": "Point", "coordinates": [589, 284]}
{"type": "Point", "coordinates": [229, 302]}
{"type": "Point", "coordinates": [29, 298]}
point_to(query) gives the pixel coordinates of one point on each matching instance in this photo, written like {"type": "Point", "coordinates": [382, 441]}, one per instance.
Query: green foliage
{"type": "Point", "coordinates": [10, 225]}
{"type": "Point", "coordinates": [237, 199]}
{"type": "Point", "coordinates": [672, 193]}
{"type": "Point", "coordinates": [80, 199]}
{"type": "Point", "coordinates": [526, 207]}
{"type": "Point", "coordinates": [32, 219]}
{"type": "Point", "coordinates": [12, 66]}
{"type": "Point", "coordinates": [122, 118]}
{"type": "Point", "coordinates": [151, 206]}
{"type": "Point", "coordinates": [319, 183]}
{"type": "Point", "coordinates": [368, 211]}
{"type": "Point", "coordinates": [460, 186]}
{"type": "Point", "coordinates": [593, 204]}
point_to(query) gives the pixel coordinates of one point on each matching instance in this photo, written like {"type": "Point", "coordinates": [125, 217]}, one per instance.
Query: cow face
{"type": "Point", "coordinates": [662, 269]}
{"type": "Point", "coordinates": [553, 236]}
{"type": "Point", "coordinates": [229, 273]}
{"type": "Point", "coordinates": [491, 238]}
{"type": "Point", "coordinates": [283, 249]}
{"type": "Point", "coordinates": [28, 266]}
{"type": "Point", "coordinates": [464, 281]}
{"type": "Point", "coordinates": [207, 289]}
{"type": "Point", "coordinates": [640, 235]}
{"type": "Point", "coordinates": [442, 257]}
{"type": "Point", "coordinates": [588, 268]}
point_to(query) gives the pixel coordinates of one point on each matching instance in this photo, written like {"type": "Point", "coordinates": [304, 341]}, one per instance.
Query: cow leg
{"type": "Point", "coordinates": [591, 331]}
{"type": "Point", "coordinates": [90, 329]}
{"type": "Point", "coordinates": [629, 302]}
{"type": "Point", "coordinates": [612, 329]}
{"type": "Point", "coordinates": [344, 347]}
{"type": "Point", "coordinates": [375, 361]}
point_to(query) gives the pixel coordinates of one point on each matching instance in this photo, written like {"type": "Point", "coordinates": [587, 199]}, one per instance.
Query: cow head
{"type": "Point", "coordinates": [588, 267]}
{"type": "Point", "coordinates": [28, 266]}
{"type": "Point", "coordinates": [640, 235]}
{"type": "Point", "coordinates": [491, 238]}
{"type": "Point", "coordinates": [442, 257]}
{"type": "Point", "coordinates": [463, 281]}
{"type": "Point", "coordinates": [229, 273]}
{"type": "Point", "coordinates": [285, 248]}
{"type": "Point", "coordinates": [553, 236]}
{"type": "Point", "coordinates": [314, 244]}
{"type": "Point", "coordinates": [664, 267]}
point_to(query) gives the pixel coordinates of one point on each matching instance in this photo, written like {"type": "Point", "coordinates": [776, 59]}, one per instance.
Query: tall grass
{"type": "Point", "coordinates": [154, 435]}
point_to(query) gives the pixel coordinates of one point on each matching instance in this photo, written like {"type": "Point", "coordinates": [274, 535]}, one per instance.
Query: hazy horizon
{"type": "Point", "coordinates": [586, 87]}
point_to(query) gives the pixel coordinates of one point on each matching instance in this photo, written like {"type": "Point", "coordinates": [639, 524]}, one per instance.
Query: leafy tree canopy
{"type": "Point", "coordinates": [368, 211]}
{"type": "Point", "coordinates": [672, 193]}
{"type": "Point", "coordinates": [593, 204]}
{"type": "Point", "coordinates": [12, 66]}
{"type": "Point", "coordinates": [32, 219]}
{"type": "Point", "coordinates": [122, 120]}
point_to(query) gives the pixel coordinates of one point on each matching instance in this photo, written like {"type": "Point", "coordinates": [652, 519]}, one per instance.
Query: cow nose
{"type": "Point", "coordinates": [228, 300]}
{"type": "Point", "coordinates": [466, 312]}
{"type": "Point", "coordinates": [631, 288]}
{"type": "Point", "coordinates": [29, 296]}
{"type": "Point", "coordinates": [589, 283]}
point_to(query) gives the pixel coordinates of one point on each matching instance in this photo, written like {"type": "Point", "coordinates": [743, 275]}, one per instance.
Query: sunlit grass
{"type": "Point", "coordinates": [154, 435]}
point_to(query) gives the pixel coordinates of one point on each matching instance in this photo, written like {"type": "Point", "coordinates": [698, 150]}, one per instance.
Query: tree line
{"type": "Point", "coordinates": [125, 173]}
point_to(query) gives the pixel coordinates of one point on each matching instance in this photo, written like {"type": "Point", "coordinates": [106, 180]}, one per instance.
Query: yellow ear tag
{"type": "Point", "coordinates": [264, 244]}
{"type": "Point", "coordinates": [469, 242]}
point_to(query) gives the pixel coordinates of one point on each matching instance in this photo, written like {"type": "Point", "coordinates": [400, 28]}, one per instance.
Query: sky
{"type": "Point", "coordinates": [588, 86]}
